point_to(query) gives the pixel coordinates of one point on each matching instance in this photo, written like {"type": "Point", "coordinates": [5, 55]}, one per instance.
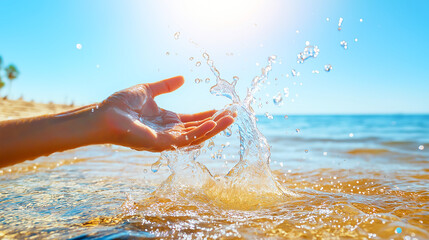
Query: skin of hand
{"type": "Point", "coordinates": [136, 121]}
{"type": "Point", "coordinates": [129, 118]}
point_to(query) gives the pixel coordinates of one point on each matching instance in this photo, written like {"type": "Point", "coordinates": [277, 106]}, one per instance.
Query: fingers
{"type": "Point", "coordinates": [196, 133]}
{"type": "Point", "coordinates": [196, 116]}
{"type": "Point", "coordinates": [221, 125]}
{"type": "Point", "coordinates": [166, 85]}
{"type": "Point", "coordinates": [195, 123]}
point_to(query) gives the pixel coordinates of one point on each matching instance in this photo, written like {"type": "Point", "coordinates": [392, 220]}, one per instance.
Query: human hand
{"type": "Point", "coordinates": [133, 119]}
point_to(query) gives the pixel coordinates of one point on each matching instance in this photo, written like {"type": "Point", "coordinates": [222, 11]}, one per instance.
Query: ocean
{"type": "Point", "coordinates": [354, 176]}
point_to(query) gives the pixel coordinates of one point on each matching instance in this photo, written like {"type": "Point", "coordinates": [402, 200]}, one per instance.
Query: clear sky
{"type": "Point", "coordinates": [126, 42]}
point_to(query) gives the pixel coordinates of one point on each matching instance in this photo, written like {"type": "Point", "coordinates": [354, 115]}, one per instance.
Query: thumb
{"type": "Point", "coordinates": [166, 85]}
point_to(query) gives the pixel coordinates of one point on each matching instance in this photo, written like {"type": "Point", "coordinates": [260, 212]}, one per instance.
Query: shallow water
{"type": "Point", "coordinates": [356, 176]}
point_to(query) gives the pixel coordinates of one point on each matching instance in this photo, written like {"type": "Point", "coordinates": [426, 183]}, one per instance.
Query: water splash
{"type": "Point", "coordinates": [250, 183]}
{"type": "Point", "coordinates": [286, 92]}
{"type": "Point", "coordinates": [340, 23]}
{"type": "Point", "coordinates": [343, 44]}
{"type": "Point", "coordinates": [328, 67]}
{"type": "Point", "coordinates": [227, 132]}
{"type": "Point", "coordinates": [268, 115]}
{"type": "Point", "coordinates": [278, 99]}
{"type": "Point", "coordinates": [177, 35]}
{"type": "Point", "coordinates": [294, 73]}
{"type": "Point", "coordinates": [309, 52]}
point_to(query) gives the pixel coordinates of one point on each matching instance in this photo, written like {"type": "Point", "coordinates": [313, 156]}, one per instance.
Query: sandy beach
{"type": "Point", "coordinates": [12, 109]}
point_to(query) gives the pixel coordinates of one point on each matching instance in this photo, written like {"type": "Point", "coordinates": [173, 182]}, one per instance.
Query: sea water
{"type": "Point", "coordinates": [371, 185]}
{"type": "Point", "coordinates": [295, 177]}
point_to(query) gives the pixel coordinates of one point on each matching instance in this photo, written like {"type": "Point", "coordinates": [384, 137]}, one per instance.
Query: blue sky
{"type": "Point", "coordinates": [385, 71]}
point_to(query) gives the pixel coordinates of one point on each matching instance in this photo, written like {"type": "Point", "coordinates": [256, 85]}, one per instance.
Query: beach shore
{"type": "Point", "coordinates": [12, 109]}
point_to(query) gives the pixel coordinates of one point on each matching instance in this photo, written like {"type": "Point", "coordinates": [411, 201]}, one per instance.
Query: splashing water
{"type": "Point", "coordinates": [294, 73]}
{"type": "Point", "coordinates": [250, 183]}
{"type": "Point", "coordinates": [328, 67]}
{"type": "Point", "coordinates": [343, 44]}
{"type": "Point", "coordinates": [177, 35]}
{"type": "Point", "coordinates": [309, 52]}
{"type": "Point", "coordinates": [278, 99]}
{"type": "Point", "coordinates": [340, 23]}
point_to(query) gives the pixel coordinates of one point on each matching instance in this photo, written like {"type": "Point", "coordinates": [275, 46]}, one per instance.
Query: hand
{"type": "Point", "coordinates": [134, 119]}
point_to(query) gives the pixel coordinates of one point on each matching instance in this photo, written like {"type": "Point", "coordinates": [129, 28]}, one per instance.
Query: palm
{"type": "Point", "coordinates": [142, 125]}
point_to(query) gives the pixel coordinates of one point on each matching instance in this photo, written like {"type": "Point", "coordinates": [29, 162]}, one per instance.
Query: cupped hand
{"type": "Point", "coordinates": [134, 120]}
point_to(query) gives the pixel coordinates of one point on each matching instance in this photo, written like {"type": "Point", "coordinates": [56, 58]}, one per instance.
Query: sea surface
{"type": "Point", "coordinates": [354, 177]}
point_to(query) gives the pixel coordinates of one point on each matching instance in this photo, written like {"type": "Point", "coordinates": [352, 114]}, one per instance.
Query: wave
{"type": "Point", "coordinates": [368, 151]}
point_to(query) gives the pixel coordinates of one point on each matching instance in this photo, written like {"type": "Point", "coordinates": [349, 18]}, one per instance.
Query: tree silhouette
{"type": "Point", "coordinates": [11, 74]}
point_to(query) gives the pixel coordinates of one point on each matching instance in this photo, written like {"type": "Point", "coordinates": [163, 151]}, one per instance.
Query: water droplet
{"type": "Point", "coordinates": [156, 165]}
{"type": "Point", "coordinates": [356, 39]}
{"type": "Point", "coordinates": [315, 71]}
{"type": "Point", "coordinates": [298, 130]}
{"type": "Point", "coordinates": [327, 19]}
{"type": "Point", "coordinates": [227, 132]}
{"type": "Point", "coordinates": [272, 59]}
{"type": "Point", "coordinates": [286, 92]}
{"type": "Point", "coordinates": [145, 170]}
{"type": "Point", "coordinates": [325, 154]}
{"type": "Point", "coordinates": [328, 67]}
{"type": "Point", "coordinates": [398, 230]}
{"type": "Point", "coordinates": [278, 99]}
{"type": "Point", "coordinates": [219, 156]}
{"type": "Point", "coordinates": [79, 46]}
{"type": "Point", "coordinates": [421, 147]}
{"type": "Point", "coordinates": [340, 22]}
{"type": "Point", "coordinates": [361, 20]}
{"type": "Point", "coordinates": [343, 44]}
{"type": "Point", "coordinates": [235, 78]}
{"type": "Point", "coordinates": [297, 31]}
{"type": "Point", "coordinates": [212, 156]}
{"type": "Point", "coordinates": [211, 144]}
{"type": "Point", "coordinates": [197, 80]}
{"type": "Point", "coordinates": [268, 115]}
{"type": "Point", "coordinates": [351, 135]}
{"type": "Point", "coordinates": [309, 52]}
{"type": "Point", "coordinates": [191, 58]}
{"type": "Point", "coordinates": [167, 53]}
{"type": "Point", "coordinates": [286, 117]}
{"type": "Point", "coordinates": [206, 56]}
{"type": "Point", "coordinates": [177, 35]}
{"type": "Point", "coordinates": [306, 150]}
{"type": "Point", "coordinates": [207, 80]}
{"type": "Point", "coordinates": [294, 73]}
{"type": "Point", "coordinates": [197, 64]}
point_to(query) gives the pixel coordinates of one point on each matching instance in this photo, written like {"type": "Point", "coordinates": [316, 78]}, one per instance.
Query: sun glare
{"type": "Point", "coordinates": [221, 17]}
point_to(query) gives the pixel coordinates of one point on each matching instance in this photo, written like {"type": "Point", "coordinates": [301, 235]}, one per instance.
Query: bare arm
{"type": "Point", "coordinates": [129, 118]}
{"type": "Point", "coordinates": [29, 138]}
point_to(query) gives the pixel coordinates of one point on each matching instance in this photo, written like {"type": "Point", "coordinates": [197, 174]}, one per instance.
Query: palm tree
{"type": "Point", "coordinates": [11, 73]}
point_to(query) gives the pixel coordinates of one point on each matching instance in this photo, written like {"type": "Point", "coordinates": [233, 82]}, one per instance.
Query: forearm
{"type": "Point", "coordinates": [29, 138]}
